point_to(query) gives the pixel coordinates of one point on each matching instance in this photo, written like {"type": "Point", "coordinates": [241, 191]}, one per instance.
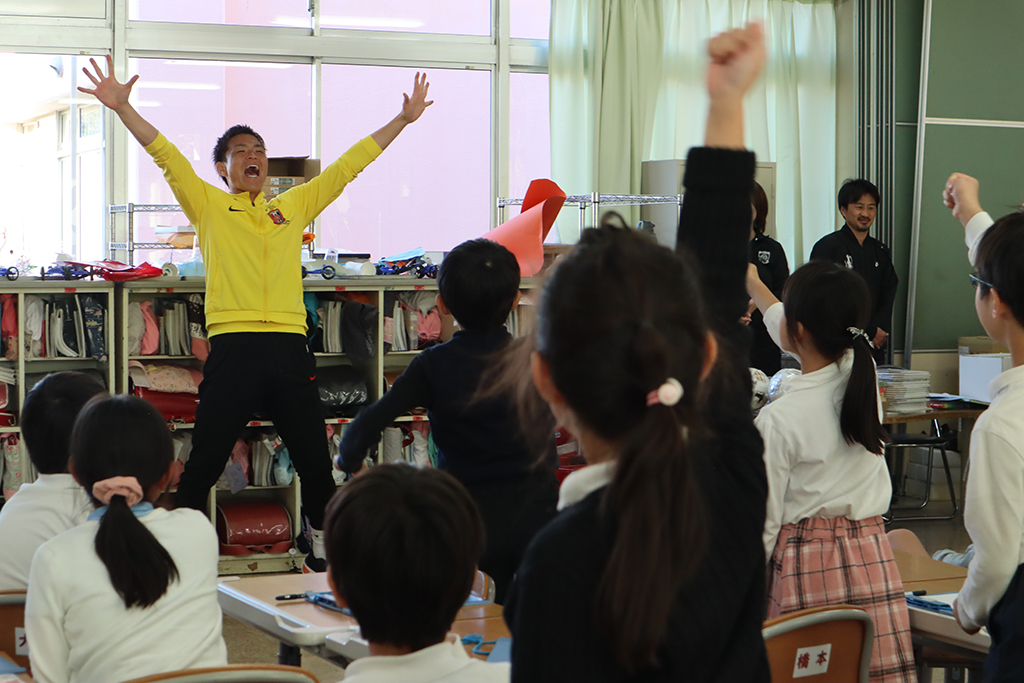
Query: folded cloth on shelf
{"type": "Point", "coordinates": [165, 377]}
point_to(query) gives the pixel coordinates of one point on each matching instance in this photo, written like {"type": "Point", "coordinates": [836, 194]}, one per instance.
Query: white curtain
{"type": "Point", "coordinates": [627, 86]}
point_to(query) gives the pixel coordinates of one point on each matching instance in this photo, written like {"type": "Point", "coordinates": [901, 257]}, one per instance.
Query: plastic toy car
{"type": "Point", "coordinates": [320, 267]}
{"type": "Point", "coordinates": [10, 273]}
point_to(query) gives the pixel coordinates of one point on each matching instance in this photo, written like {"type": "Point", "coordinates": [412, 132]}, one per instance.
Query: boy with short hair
{"type": "Point", "coordinates": [479, 442]}
{"type": "Point", "coordinates": [993, 593]}
{"type": "Point", "coordinates": [54, 502]}
{"type": "Point", "coordinates": [402, 547]}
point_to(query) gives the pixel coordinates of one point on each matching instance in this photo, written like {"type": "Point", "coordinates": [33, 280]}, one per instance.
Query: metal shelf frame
{"type": "Point", "coordinates": [594, 202]}
{"type": "Point", "coordinates": [131, 245]}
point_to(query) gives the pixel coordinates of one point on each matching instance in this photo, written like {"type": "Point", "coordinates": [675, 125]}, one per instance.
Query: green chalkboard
{"type": "Point", "coordinates": [945, 299]}
{"type": "Point", "coordinates": [974, 70]}
{"type": "Point", "coordinates": [967, 79]}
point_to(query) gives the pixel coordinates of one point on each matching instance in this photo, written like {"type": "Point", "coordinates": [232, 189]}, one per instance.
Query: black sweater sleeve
{"type": "Point", "coordinates": [411, 390]}
{"type": "Point", "coordinates": [780, 270]}
{"type": "Point", "coordinates": [887, 295]}
{"type": "Point", "coordinates": [714, 224]}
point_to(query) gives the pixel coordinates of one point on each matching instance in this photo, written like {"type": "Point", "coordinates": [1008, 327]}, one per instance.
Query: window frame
{"type": "Point", "coordinates": [124, 40]}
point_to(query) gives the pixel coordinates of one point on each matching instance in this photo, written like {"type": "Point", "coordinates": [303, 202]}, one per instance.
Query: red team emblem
{"type": "Point", "coordinates": [276, 216]}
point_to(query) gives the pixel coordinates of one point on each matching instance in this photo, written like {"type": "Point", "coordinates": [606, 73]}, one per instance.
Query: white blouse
{"type": "Point", "coordinates": [812, 471]}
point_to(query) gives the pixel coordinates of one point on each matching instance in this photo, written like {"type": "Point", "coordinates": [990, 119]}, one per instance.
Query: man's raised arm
{"type": "Point", "coordinates": [114, 96]}
{"type": "Point", "coordinates": [412, 107]}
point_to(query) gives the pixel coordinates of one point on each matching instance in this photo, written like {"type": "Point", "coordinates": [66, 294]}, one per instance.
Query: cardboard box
{"type": "Point", "coordinates": [980, 345]}
{"type": "Point", "coordinates": [289, 180]}
{"type": "Point", "coordinates": [977, 370]}
{"type": "Point", "coordinates": [179, 236]}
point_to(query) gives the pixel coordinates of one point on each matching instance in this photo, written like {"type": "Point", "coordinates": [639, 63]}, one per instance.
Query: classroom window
{"type": "Point", "coordinates": [465, 17]}
{"type": "Point", "coordinates": [530, 19]}
{"type": "Point", "coordinates": [432, 187]}
{"type": "Point", "coordinates": [53, 169]}
{"type": "Point", "coordinates": [232, 12]}
{"type": "Point", "coordinates": [71, 9]}
{"type": "Point", "coordinates": [192, 103]}
{"type": "Point", "coordinates": [529, 138]}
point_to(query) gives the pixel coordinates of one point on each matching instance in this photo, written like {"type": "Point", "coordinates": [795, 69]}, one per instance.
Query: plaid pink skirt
{"type": "Point", "coordinates": [822, 562]}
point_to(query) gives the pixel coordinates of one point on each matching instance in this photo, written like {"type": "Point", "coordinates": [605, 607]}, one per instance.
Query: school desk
{"type": "Point", "coordinates": [301, 625]}
{"type": "Point", "coordinates": [5, 678]}
{"type": "Point", "coordinates": [342, 646]}
{"type": "Point", "coordinates": [930, 629]}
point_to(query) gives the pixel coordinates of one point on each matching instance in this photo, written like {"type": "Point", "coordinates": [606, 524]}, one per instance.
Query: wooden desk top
{"type": "Point", "coordinates": [929, 415]}
{"type": "Point", "coordinates": [266, 588]}
{"type": "Point", "coordinates": [917, 569]}
{"type": "Point", "coordinates": [25, 678]}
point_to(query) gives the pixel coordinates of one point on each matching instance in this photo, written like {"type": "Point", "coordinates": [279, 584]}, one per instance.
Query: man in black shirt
{"type": "Point", "coordinates": [854, 248]}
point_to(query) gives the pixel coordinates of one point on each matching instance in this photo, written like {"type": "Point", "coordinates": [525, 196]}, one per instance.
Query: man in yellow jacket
{"type": "Point", "coordinates": [254, 311]}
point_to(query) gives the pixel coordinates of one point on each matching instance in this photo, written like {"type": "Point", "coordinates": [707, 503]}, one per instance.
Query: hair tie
{"type": "Point", "coordinates": [668, 394]}
{"type": "Point", "coordinates": [129, 487]}
{"type": "Point", "coordinates": [856, 333]}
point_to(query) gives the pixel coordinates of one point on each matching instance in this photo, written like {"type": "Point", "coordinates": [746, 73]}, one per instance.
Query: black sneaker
{"type": "Point", "coordinates": [314, 565]}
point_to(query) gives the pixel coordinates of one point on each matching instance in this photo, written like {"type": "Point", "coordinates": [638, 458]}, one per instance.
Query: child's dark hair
{"type": "Point", "coordinates": [1000, 262]}
{"type": "Point", "coordinates": [833, 305]}
{"type": "Point", "coordinates": [49, 413]}
{"type": "Point", "coordinates": [124, 436]}
{"type": "Point", "coordinates": [402, 549]}
{"type": "Point", "coordinates": [220, 150]}
{"type": "Point", "coordinates": [852, 190]}
{"type": "Point", "coordinates": [759, 200]}
{"type": "Point", "coordinates": [618, 317]}
{"type": "Point", "coordinates": [478, 282]}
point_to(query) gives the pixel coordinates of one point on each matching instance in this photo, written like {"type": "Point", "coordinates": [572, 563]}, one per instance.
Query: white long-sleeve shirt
{"type": "Point", "coordinates": [38, 512]}
{"type": "Point", "coordinates": [446, 662]}
{"type": "Point", "coordinates": [994, 504]}
{"type": "Point", "coordinates": [812, 471]}
{"type": "Point", "coordinates": [79, 630]}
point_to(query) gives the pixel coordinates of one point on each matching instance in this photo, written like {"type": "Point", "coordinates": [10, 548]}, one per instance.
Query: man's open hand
{"type": "Point", "coordinates": [108, 91]}
{"type": "Point", "coordinates": [413, 106]}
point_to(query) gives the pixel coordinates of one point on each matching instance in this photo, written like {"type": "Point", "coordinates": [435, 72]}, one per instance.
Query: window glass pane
{"type": "Point", "coordinates": [235, 12]}
{"type": "Point", "coordinates": [78, 9]}
{"type": "Point", "coordinates": [56, 191]}
{"type": "Point", "coordinates": [466, 17]}
{"type": "Point", "coordinates": [192, 103]}
{"type": "Point", "coordinates": [530, 139]}
{"type": "Point", "coordinates": [529, 18]}
{"type": "Point", "coordinates": [431, 187]}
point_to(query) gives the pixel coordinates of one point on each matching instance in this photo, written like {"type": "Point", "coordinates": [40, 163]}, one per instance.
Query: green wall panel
{"type": "Point", "coordinates": [945, 299]}
{"type": "Point", "coordinates": [974, 66]}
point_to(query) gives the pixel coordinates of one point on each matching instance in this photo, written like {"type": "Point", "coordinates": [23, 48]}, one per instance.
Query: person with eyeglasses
{"type": "Point", "coordinates": [993, 594]}
{"type": "Point", "coordinates": [853, 247]}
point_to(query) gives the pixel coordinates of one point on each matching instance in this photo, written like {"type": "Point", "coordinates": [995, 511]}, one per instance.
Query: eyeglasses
{"type": "Point", "coordinates": [975, 281]}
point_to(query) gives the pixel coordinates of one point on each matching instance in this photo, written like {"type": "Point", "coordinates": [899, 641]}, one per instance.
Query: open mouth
{"type": "Point", "coordinates": [252, 171]}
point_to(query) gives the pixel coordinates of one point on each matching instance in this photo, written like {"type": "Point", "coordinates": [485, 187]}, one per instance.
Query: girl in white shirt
{"type": "Point", "coordinates": [133, 591]}
{"type": "Point", "coordinates": [828, 484]}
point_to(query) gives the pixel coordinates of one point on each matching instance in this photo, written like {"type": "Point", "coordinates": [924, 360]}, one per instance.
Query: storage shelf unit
{"type": "Point", "coordinates": [104, 292]}
{"type": "Point", "coordinates": [131, 245]}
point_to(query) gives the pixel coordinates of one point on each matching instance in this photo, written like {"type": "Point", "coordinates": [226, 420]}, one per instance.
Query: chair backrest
{"type": "Point", "coordinates": [12, 617]}
{"type": "Point", "coordinates": [235, 673]}
{"type": "Point", "coordinates": [820, 645]}
{"type": "Point", "coordinates": [483, 587]}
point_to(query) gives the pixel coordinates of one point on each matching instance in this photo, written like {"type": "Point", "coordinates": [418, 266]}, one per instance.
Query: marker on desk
{"type": "Point", "coordinates": [291, 596]}
{"type": "Point", "coordinates": [919, 592]}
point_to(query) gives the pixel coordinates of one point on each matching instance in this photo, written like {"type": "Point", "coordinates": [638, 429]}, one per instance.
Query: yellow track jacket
{"type": "Point", "coordinates": [252, 250]}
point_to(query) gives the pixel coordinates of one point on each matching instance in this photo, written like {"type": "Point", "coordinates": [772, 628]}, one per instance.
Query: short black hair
{"type": "Point", "coordinates": [49, 413]}
{"type": "Point", "coordinates": [1000, 262]}
{"type": "Point", "coordinates": [220, 150]}
{"type": "Point", "coordinates": [478, 282]}
{"type": "Point", "coordinates": [402, 549]}
{"type": "Point", "coordinates": [852, 190]}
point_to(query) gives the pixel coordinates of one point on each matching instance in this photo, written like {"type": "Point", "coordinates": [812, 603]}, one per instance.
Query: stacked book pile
{"type": "Point", "coordinates": [903, 391]}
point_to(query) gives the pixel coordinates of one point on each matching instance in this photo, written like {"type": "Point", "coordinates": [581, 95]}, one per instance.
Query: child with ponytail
{"type": "Point", "coordinates": [133, 591]}
{"type": "Point", "coordinates": [654, 568]}
{"type": "Point", "coordinates": [828, 484]}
